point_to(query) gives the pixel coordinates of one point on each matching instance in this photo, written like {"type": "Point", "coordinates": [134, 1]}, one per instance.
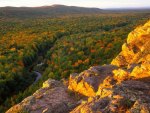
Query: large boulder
{"type": "Point", "coordinates": [87, 82]}
{"type": "Point", "coordinates": [128, 97]}
{"type": "Point", "coordinates": [53, 97]}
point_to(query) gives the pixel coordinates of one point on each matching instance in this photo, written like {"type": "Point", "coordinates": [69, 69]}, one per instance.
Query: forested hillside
{"type": "Point", "coordinates": [45, 11]}
{"type": "Point", "coordinates": [63, 45]}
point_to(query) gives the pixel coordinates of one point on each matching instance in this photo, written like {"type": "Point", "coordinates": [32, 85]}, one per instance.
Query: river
{"type": "Point", "coordinates": [38, 76]}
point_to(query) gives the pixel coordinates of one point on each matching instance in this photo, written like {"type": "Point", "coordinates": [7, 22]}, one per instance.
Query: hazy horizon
{"type": "Point", "coordinates": [95, 3]}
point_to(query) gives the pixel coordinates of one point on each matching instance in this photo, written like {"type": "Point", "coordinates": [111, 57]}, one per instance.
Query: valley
{"type": "Point", "coordinates": [64, 43]}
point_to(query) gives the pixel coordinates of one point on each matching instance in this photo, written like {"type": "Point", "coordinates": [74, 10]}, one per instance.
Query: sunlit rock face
{"type": "Point", "coordinates": [87, 82]}
{"type": "Point", "coordinates": [127, 97]}
{"type": "Point", "coordinates": [136, 49]}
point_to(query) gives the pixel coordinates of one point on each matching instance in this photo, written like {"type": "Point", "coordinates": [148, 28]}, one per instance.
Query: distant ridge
{"type": "Point", "coordinates": [53, 10]}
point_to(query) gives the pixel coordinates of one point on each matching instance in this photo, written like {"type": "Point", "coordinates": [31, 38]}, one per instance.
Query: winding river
{"type": "Point", "coordinates": [38, 76]}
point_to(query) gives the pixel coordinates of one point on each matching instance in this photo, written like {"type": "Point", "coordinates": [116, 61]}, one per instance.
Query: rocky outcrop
{"type": "Point", "coordinates": [128, 97]}
{"type": "Point", "coordinates": [53, 97]}
{"type": "Point", "coordinates": [121, 87]}
{"type": "Point", "coordinates": [136, 49]}
{"type": "Point", "coordinates": [87, 82]}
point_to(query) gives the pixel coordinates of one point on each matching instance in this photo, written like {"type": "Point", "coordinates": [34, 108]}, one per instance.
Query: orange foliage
{"type": "Point", "coordinates": [93, 50]}
{"type": "Point", "coordinates": [21, 63]}
{"type": "Point", "coordinates": [86, 60]}
{"type": "Point", "coordinates": [80, 62]}
{"type": "Point", "coordinates": [14, 70]}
